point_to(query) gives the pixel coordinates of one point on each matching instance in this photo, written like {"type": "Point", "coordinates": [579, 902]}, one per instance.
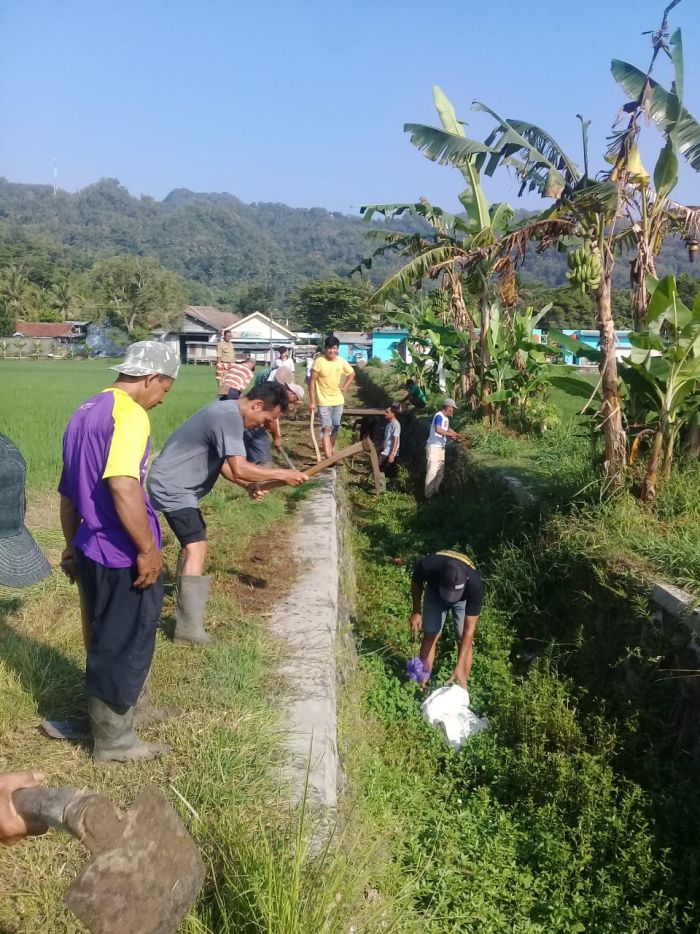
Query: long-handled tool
{"type": "Point", "coordinates": [287, 459]}
{"type": "Point", "coordinates": [365, 446]}
{"type": "Point", "coordinates": [144, 870]}
{"type": "Point", "coordinates": [313, 437]}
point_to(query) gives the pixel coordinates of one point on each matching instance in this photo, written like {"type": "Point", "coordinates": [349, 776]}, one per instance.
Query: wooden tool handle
{"type": "Point", "coordinates": [322, 465]}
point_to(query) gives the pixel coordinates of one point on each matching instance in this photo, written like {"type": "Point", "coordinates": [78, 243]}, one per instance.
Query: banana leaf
{"type": "Point", "coordinates": [665, 109]}
{"type": "Point", "coordinates": [573, 385]}
{"type": "Point", "coordinates": [573, 345]}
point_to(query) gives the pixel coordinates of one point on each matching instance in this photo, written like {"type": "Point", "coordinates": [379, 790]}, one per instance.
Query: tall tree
{"type": "Point", "coordinates": [136, 292]}
{"type": "Point", "coordinates": [326, 305]}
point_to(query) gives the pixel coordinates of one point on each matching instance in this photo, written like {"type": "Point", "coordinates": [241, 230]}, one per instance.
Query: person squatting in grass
{"type": "Point", "coordinates": [113, 544]}
{"type": "Point", "coordinates": [258, 441]}
{"type": "Point", "coordinates": [210, 443]}
{"type": "Point", "coordinates": [326, 392]}
{"type": "Point", "coordinates": [415, 395]}
{"type": "Point", "coordinates": [440, 432]}
{"type": "Point", "coordinates": [452, 583]}
{"type": "Point", "coordinates": [391, 443]}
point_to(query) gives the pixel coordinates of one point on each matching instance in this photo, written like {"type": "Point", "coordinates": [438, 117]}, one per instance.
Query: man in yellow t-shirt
{"type": "Point", "coordinates": [326, 391]}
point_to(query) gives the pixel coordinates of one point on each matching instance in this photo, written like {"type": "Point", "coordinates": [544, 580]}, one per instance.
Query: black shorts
{"type": "Point", "coordinates": [188, 525]}
{"type": "Point", "coordinates": [123, 623]}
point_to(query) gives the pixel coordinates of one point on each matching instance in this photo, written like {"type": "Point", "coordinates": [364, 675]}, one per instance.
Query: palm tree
{"type": "Point", "coordinates": [63, 297]}
{"type": "Point", "coordinates": [18, 293]}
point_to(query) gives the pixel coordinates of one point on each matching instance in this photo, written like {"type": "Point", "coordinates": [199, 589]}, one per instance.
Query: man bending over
{"type": "Point", "coordinates": [208, 444]}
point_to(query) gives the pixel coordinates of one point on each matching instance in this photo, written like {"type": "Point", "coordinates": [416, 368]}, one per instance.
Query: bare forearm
{"type": "Point", "coordinates": [130, 506]}
{"type": "Point", "coordinates": [70, 520]}
{"type": "Point", "coordinates": [346, 384]}
{"type": "Point", "coordinates": [227, 474]}
{"type": "Point", "coordinates": [243, 472]}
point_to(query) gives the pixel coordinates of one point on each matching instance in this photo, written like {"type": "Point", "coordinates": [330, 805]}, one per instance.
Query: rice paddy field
{"type": "Point", "coordinates": [38, 397]}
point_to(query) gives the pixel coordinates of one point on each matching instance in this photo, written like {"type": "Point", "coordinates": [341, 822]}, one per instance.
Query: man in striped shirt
{"type": "Point", "coordinates": [233, 378]}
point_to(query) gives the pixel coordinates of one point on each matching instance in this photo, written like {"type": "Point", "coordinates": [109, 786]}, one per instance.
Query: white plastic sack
{"type": "Point", "coordinates": [448, 708]}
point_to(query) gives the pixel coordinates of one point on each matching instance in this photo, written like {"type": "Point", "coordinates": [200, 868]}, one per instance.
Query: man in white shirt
{"type": "Point", "coordinates": [440, 431]}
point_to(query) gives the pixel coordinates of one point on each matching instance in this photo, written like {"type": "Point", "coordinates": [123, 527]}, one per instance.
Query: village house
{"type": "Point", "coordinates": [203, 326]}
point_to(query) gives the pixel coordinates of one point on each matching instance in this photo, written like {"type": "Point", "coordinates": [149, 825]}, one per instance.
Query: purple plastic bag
{"type": "Point", "coordinates": [417, 670]}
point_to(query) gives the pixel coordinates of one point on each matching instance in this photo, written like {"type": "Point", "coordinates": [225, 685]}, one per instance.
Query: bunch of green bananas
{"type": "Point", "coordinates": [584, 269]}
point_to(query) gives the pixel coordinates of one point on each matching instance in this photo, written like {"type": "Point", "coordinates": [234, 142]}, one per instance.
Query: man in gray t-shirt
{"type": "Point", "coordinates": [207, 445]}
{"type": "Point", "coordinates": [391, 443]}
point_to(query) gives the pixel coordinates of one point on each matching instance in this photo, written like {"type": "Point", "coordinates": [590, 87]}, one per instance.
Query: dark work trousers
{"type": "Point", "coordinates": [123, 621]}
{"type": "Point", "coordinates": [258, 446]}
{"type": "Point", "coordinates": [390, 470]}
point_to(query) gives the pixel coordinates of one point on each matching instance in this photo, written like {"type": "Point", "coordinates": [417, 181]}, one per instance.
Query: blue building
{"type": "Point", "coordinates": [386, 341]}
{"type": "Point", "coordinates": [592, 338]}
{"type": "Point", "coordinates": [355, 346]}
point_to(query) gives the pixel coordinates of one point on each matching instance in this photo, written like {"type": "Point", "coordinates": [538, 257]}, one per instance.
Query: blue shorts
{"type": "Point", "coordinates": [330, 416]}
{"type": "Point", "coordinates": [258, 446]}
{"type": "Point", "coordinates": [435, 614]}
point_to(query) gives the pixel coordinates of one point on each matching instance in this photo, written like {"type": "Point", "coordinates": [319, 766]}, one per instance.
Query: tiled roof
{"type": "Point", "coordinates": [214, 317]}
{"type": "Point", "coordinates": [37, 329]}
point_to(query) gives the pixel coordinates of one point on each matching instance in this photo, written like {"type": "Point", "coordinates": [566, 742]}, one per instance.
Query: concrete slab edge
{"type": "Point", "coordinates": [307, 621]}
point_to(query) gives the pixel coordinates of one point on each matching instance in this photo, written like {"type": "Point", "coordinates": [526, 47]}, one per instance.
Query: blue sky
{"type": "Point", "coordinates": [304, 102]}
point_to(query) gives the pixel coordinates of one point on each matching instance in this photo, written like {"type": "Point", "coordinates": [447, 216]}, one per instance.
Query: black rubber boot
{"type": "Point", "coordinates": [192, 596]}
{"type": "Point", "coordinates": [112, 730]}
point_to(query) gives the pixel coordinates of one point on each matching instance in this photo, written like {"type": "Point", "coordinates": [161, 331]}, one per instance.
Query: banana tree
{"type": "Point", "coordinates": [438, 255]}
{"type": "Point", "coordinates": [517, 362]}
{"type": "Point", "coordinates": [664, 370]}
{"type": "Point", "coordinates": [584, 209]}
{"type": "Point", "coordinates": [437, 348]}
{"type": "Point", "coordinates": [652, 214]}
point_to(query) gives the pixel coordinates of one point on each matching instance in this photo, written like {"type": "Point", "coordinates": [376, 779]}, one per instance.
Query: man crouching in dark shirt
{"type": "Point", "coordinates": [451, 582]}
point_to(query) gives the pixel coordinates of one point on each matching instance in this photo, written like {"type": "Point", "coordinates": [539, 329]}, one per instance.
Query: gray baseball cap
{"type": "Point", "coordinates": [147, 357]}
{"type": "Point", "coordinates": [449, 403]}
{"type": "Point", "coordinates": [21, 561]}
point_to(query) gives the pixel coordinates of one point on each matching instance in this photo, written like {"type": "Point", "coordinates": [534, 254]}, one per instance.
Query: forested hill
{"type": "Point", "coordinates": [222, 243]}
{"type": "Point", "coordinates": [213, 239]}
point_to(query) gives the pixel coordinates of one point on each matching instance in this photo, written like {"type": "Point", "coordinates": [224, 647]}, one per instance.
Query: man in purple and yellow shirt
{"type": "Point", "coordinates": [113, 543]}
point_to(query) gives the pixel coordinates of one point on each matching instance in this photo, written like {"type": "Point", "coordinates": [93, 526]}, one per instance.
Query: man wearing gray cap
{"type": "Point", "coordinates": [113, 543]}
{"type": "Point", "coordinates": [440, 432]}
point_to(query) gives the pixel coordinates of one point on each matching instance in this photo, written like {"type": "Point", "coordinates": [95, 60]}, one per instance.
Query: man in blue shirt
{"type": "Point", "coordinates": [440, 431]}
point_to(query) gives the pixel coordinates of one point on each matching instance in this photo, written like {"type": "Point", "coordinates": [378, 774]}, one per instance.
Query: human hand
{"type": "Point", "coordinates": [255, 492]}
{"type": "Point", "coordinates": [13, 827]}
{"type": "Point", "coordinates": [277, 441]}
{"type": "Point", "coordinates": [391, 458]}
{"type": "Point", "coordinates": [416, 623]}
{"type": "Point", "coordinates": [149, 565]}
{"type": "Point", "coordinates": [459, 676]}
{"type": "Point", "coordinates": [68, 565]}
{"type": "Point", "coordinates": [294, 477]}
{"type": "Point", "coordinates": [312, 406]}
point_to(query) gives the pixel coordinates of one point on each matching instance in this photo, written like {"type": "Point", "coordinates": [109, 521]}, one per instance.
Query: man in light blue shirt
{"type": "Point", "coordinates": [440, 432]}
